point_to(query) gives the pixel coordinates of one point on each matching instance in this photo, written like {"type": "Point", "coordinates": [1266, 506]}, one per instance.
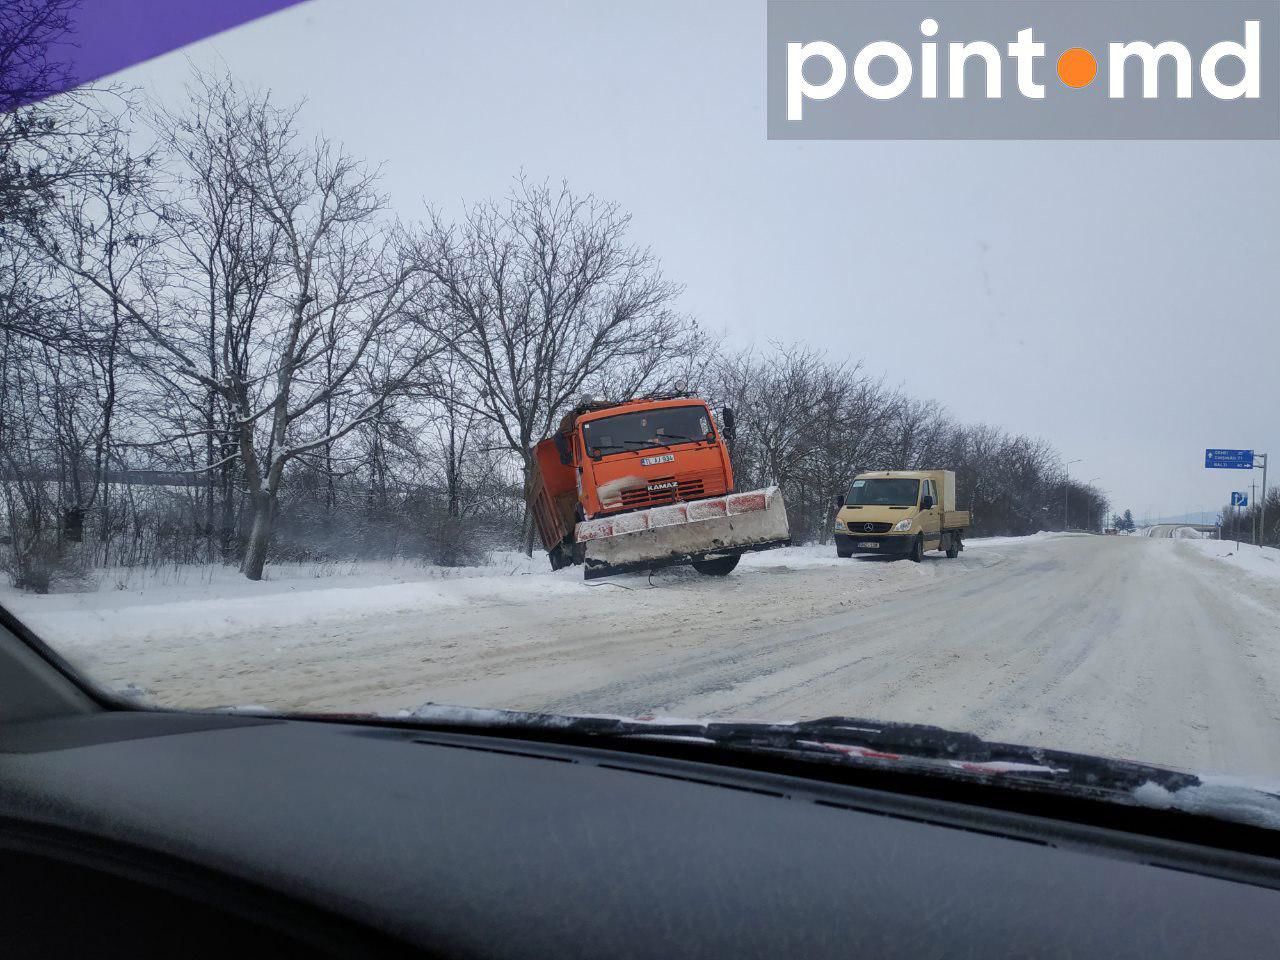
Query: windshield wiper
{"type": "Point", "coordinates": [620, 445]}
{"type": "Point", "coordinates": [905, 748]}
{"type": "Point", "coordinates": [678, 437]}
{"type": "Point", "coordinates": [648, 444]}
{"type": "Point", "coordinates": [918, 747]}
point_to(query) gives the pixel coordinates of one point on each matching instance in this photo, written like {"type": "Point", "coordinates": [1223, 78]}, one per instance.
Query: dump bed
{"type": "Point", "coordinates": [553, 495]}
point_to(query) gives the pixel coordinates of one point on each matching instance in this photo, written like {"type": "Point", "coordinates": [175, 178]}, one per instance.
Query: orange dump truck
{"type": "Point", "coordinates": [647, 483]}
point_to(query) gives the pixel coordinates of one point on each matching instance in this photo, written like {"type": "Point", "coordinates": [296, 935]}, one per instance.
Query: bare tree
{"type": "Point", "coordinates": [805, 422]}
{"type": "Point", "coordinates": [345, 281]}
{"type": "Point", "coordinates": [280, 272]}
{"type": "Point", "coordinates": [545, 298]}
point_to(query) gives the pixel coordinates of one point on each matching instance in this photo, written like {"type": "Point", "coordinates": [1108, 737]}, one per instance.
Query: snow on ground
{"type": "Point", "coordinates": [180, 600]}
{"type": "Point", "coordinates": [189, 600]}
{"type": "Point", "coordinates": [972, 542]}
{"type": "Point", "coordinates": [1162, 650]}
{"type": "Point", "coordinates": [142, 627]}
{"type": "Point", "coordinates": [1263, 562]}
{"type": "Point", "coordinates": [381, 636]}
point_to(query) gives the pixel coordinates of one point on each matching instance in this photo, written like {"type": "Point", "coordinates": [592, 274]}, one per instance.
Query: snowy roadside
{"type": "Point", "coordinates": [196, 635]}
{"type": "Point", "coordinates": [357, 641]}
{"type": "Point", "coordinates": [1155, 649]}
{"type": "Point", "coordinates": [1262, 562]}
{"type": "Point", "coordinates": [979, 542]}
{"type": "Point", "coordinates": [195, 601]}
{"type": "Point", "coordinates": [206, 636]}
{"type": "Point", "coordinates": [1253, 573]}
{"type": "Point", "coordinates": [202, 601]}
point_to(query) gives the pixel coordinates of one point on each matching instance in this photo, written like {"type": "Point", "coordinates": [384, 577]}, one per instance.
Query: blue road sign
{"type": "Point", "coordinates": [1229, 459]}
{"type": "Point", "coordinates": [1239, 499]}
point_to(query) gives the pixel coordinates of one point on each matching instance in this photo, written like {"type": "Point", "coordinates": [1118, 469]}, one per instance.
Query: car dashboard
{"type": "Point", "coordinates": [358, 839]}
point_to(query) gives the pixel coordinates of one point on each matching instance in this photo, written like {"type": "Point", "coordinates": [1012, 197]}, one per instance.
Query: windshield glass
{"type": "Point", "coordinates": [291, 369]}
{"type": "Point", "coordinates": [883, 493]}
{"type": "Point", "coordinates": [652, 428]}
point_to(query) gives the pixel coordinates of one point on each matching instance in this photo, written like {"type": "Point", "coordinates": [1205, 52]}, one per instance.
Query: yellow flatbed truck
{"type": "Point", "coordinates": [900, 513]}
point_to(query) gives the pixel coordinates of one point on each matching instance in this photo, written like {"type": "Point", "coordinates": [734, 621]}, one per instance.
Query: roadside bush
{"type": "Point", "coordinates": [412, 525]}
{"type": "Point", "coordinates": [44, 564]}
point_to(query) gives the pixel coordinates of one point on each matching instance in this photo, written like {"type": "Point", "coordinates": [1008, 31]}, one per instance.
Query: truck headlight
{"type": "Point", "coordinates": [839, 524]}
{"type": "Point", "coordinates": [902, 526]}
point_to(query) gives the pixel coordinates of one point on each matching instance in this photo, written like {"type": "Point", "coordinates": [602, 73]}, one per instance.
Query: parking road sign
{"type": "Point", "coordinates": [1239, 498]}
{"type": "Point", "coordinates": [1228, 459]}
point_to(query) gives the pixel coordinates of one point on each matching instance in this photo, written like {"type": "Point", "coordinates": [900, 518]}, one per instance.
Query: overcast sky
{"type": "Point", "coordinates": [1116, 299]}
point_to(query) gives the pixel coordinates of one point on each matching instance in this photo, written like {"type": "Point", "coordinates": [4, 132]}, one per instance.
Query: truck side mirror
{"type": "Point", "coordinates": [562, 448]}
{"type": "Point", "coordinates": [839, 501]}
{"type": "Point", "coordinates": [926, 502]}
{"type": "Point", "coordinates": [729, 429]}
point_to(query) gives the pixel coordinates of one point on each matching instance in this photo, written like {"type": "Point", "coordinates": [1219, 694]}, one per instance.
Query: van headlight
{"type": "Point", "coordinates": [902, 526]}
{"type": "Point", "coordinates": [839, 524]}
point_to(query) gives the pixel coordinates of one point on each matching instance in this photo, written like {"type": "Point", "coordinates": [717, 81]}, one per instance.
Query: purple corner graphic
{"type": "Point", "coordinates": [85, 40]}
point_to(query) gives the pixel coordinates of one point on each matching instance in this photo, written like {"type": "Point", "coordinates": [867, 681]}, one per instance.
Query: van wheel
{"type": "Point", "coordinates": [717, 567]}
{"type": "Point", "coordinates": [953, 546]}
{"type": "Point", "coordinates": [917, 550]}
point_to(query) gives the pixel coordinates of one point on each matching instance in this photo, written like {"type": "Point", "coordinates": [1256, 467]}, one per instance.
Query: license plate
{"type": "Point", "coordinates": [868, 545]}
{"type": "Point", "coordinates": [650, 461]}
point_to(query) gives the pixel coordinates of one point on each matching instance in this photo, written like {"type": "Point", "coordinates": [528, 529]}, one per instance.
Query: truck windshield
{"type": "Point", "coordinates": [648, 428]}
{"type": "Point", "coordinates": [885, 492]}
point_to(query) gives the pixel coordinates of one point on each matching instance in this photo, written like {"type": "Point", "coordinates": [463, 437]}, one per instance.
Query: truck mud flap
{"type": "Point", "coordinates": [683, 533]}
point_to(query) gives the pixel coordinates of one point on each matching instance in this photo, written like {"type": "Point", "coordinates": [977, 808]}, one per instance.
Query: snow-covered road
{"type": "Point", "coordinates": [1163, 650]}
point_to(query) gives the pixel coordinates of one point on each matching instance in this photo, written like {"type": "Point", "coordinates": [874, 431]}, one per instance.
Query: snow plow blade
{"type": "Point", "coordinates": [683, 532]}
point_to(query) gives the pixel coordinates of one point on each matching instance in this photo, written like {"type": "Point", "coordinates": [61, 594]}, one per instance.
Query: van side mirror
{"type": "Point", "coordinates": [729, 429]}
{"type": "Point", "coordinates": [926, 502]}
{"type": "Point", "coordinates": [839, 501]}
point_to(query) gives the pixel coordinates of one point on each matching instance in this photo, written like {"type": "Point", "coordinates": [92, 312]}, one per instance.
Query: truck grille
{"type": "Point", "coordinates": [858, 526]}
{"type": "Point", "coordinates": [687, 488]}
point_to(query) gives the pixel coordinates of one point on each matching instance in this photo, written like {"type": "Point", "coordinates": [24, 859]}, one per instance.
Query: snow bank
{"type": "Point", "coordinates": [971, 542]}
{"type": "Point", "coordinates": [1256, 561]}
{"type": "Point", "coordinates": [201, 603]}
{"type": "Point", "coordinates": [199, 606]}
{"type": "Point", "coordinates": [815, 555]}
{"type": "Point", "coordinates": [794, 558]}
{"type": "Point", "coordinates": [186, 601]}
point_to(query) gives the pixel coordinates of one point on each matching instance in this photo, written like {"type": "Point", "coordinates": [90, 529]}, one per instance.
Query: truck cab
{"type": "Point", "coordinates": [900, 513]}
{"type": "Point", "coordinates": [632, 456]}
{"type": "Point", "coordinates": [646, 483]}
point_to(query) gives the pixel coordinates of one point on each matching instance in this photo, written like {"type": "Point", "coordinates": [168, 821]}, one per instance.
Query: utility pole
{"type": "Point", "coordinates": [1263, 522]}
{"type": "Point", "coordinates": [1253, 517]}
{"type": "Point", "coordinates": [1066, 491]}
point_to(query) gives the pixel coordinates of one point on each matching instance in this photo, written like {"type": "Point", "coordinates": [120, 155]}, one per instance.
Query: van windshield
{"type": "Point", "coordinates": [648, 428]}
{"type": "Point", "coordinates": [886, 492]}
